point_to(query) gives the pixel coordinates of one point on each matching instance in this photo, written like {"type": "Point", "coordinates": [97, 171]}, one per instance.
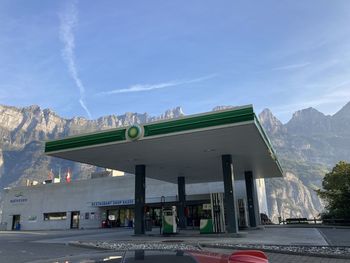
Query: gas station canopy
{"type": "Point", "coordinates": [189, 146]}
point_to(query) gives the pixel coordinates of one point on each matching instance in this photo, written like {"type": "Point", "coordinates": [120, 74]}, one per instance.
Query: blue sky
{"type": "Point", "coordinates": [94, 58]}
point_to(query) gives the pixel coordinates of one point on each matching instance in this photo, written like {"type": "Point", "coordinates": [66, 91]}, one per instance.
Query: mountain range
{"type": "Point", "coordinates": [307, 146]}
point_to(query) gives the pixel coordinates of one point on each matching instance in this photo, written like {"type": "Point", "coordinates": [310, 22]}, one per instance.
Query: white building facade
{"type": "Point", "coordinates": [87, 203]}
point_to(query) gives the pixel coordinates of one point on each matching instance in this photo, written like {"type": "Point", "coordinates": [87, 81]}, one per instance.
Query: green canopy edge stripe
{"type": "Point", "coordinates": [199, 122]}
{"type": "Point", "coordinates": [85, 140]}
{"type": "Point", "coordinates": [154, 129]}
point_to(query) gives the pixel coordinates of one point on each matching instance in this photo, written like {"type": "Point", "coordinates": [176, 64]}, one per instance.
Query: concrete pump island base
{"type": "Point", "coordinates": [224, 146]}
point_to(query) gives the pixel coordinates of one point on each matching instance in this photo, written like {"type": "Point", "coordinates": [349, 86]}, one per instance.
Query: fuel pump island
{"type": "Point", "coordinates": [212, 217]}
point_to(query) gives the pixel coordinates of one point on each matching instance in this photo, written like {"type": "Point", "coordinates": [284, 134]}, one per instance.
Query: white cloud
{"type": "Point", "coordinates": [148, 87]}
{"type": "Point", "coordinates": [292, 66]}
{"type": "Point", "coordinates": [68, 22]}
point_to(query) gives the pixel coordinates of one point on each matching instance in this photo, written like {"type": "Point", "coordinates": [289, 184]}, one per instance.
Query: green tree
{"type": "Point", "coordinates": [336, 192]}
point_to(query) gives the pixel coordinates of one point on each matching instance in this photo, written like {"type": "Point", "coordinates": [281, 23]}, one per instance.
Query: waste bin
{"type": "Point", "coordinates": [18, 226]}
{"type": "Point", "coordinates": [105, 224]}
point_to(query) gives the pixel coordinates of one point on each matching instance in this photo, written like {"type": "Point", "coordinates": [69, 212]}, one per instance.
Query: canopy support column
{"type": "Point", "coordinates": [140, 196]}
{"type": "Point", "coordinates": [229, 202]}
{"type": "Point", "coordinates": [253, 208]}
{"type": "Point", "coordinates": [181, 187]}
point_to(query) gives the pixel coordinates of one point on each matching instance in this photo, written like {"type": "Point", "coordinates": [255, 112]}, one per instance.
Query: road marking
{"type": "Point", "coordinates": [21, 233]}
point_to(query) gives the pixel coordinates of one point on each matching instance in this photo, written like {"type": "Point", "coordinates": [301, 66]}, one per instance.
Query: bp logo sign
{"type": "Point", "coordinates": [134, 132]}
{"type": "Point", "coordinates": [20, 194]}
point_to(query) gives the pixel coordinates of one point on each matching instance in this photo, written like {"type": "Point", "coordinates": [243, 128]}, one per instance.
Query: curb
{"type": "Point", "coordinates": [83, 245]}
{"type": "Point", "coordinates": [324, 236]}
{"type": "Point", "coordinates": [91, 245]}
{"type": "Point", "coordinates": [202, 246]}
{"type": "Point", "coordinates": [307, 226]}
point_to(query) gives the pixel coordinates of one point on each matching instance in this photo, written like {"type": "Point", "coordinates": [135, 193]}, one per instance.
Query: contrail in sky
{"type": "Point", "coordinates": [148, 87]}
{"type": "Point", "coordinates": [68, 22]}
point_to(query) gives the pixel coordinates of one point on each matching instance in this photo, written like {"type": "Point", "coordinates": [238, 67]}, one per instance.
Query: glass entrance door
{"type": "Point", "coordinates": [16, 222]}
{"type": "Point", "coordinates": [74, 221]}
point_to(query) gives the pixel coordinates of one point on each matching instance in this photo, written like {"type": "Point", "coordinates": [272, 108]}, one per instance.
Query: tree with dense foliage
{"type": "Point", "coordinates": [336, 192]}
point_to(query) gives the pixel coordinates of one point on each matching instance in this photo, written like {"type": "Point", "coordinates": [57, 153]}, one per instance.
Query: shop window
{"type": "Point", "coordinates": [31, 218]}
{"type": "Point", "coordinates": [92, 215]}
{"type": "Point", "coordinates": [55, 216]}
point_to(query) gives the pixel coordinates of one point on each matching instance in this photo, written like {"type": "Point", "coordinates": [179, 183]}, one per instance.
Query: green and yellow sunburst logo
{"type": "Point", "coordinates": [134, 132]}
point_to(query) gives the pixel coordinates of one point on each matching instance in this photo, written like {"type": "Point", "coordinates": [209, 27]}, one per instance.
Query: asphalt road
{"type": "Point", "coordinates": [22, 247]}
{"type": "Point", "coordinates": [336, 236]}
{"type": "Point", "coordinates": [28, 246]}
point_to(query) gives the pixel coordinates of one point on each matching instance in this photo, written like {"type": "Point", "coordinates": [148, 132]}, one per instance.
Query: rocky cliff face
{"type": "Point", "coordinates": [1, 163]}
{"type": "Point", "coordinates": [289, 197]}
{"type": "Point", "coordinates": [307, 146]}
{"type": "Point", "coordinates": [23, 130]}
{"type": "Point", "coordinates": [271, 123]}
{"type": "Point", "coordinates": [19, 126]}
{"type": "Point", "coordinates": [309, 121]}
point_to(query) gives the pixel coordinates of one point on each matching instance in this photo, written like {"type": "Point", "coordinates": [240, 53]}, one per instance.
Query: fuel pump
{"type": "Point", "coordinates": [169, 220]}
{"type": "Point", "coordinates": [217, 212]}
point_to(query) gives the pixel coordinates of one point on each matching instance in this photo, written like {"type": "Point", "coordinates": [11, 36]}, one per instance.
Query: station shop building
{"type": "Point", "coordinates": [87, 203]}
{"type": "Point", "coordinates": [216, 161]}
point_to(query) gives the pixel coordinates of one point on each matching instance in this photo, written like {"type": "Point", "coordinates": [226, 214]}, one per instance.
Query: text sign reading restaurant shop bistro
{"type": "Point", "coordinates": [113, 202]}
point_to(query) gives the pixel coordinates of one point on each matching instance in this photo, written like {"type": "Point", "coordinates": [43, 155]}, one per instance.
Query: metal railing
{"type": "Point", "coordinates": [319, 221]}
{"type": "Point", "coordinates": [302, 220]}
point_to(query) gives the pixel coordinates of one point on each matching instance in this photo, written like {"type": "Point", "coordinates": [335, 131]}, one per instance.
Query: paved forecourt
{"type": "Point", "coordinates": [35, 245]}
